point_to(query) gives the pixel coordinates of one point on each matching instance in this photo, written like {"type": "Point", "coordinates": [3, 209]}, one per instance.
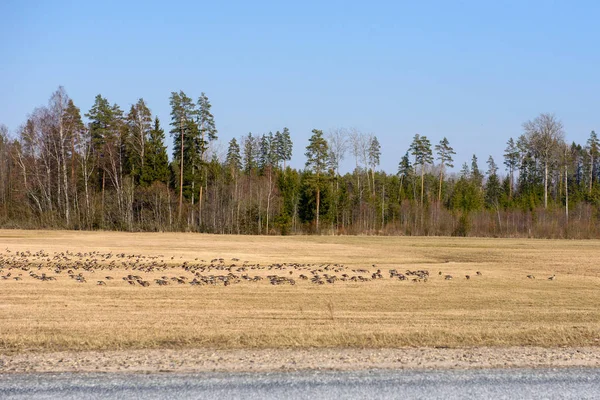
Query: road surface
{"type": "Point", "coordinates": [567, 383]}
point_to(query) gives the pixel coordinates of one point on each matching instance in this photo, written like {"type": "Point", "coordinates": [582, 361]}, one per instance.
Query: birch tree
{"type": "Point", "coordinates": [544, 134]}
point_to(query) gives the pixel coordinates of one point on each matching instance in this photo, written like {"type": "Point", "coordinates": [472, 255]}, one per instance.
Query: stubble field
{"type": "Point", "coordinates": [56, 303]}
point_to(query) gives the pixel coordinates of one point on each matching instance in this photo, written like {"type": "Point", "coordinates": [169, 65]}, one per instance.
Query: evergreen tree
{"type": "Point", "coordinates": [207, 132]}
{"type": "Point", "coordinates": [420, 148]}
{"type": "Point", "coordinates": [593, 149]}
{"type": "Point", "coordinates": [250, 161]}
{"type": "Point", "coordinates": [286, 146]}
{"type": "Point", "coordinates": [289, 187]}
{"type": "Point", "coordinates": [108, 136]}
{"type": "Point", "coordinates": [183, 113]}
{"type": "Point", "coordinates": [466, 197]}
{"type": "Point", "coordinates": [405, 172]}
{"type": "Point", "coordinates": [316, 160]}
{"type": "Point", "coordinates": [234, 158]}
{"type": "Point", "coordinates": [493, 187]}
{"type": "Point", "coordinates": [101, 118]}
{"type": "Point", "coordinates": [511, 160]}
{"type": "Point", "coordinates": [106, 129]}
{"type": "Point", "coordinates": [374, 154]}
{"type": "Point", "coordinates": [444, 153]}
{"type": "Point", "coordinates": [476, 175]}
{"type": "Point", "coordinates": [267, 156]}
{"type": "Point", "coordinates": [206, 126]}
{"type": "Point", "coordinates": [465, 171]}
{"type": "Point", "coordinates": [277, 148]}
{"type": "Point", "coordinates": [492, 167]}
{"type": "Point", "coordinates": [156, 165]}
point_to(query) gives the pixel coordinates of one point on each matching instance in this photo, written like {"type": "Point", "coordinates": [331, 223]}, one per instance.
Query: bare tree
{"type": "Point", "coordinates": [59, 103]}
{"type": "Point", "coordinates": [87, 164]}
{"type": "Point", "coordinates": [565, 157]}
{"type": "Point", "coordinates": [359, 145]}
{"type": "Point", "coordinates": [338, 141]}
{"type": "Point", "coordinates": [544, 134]}
{"type": "Point", "coordinates": [4, 168]}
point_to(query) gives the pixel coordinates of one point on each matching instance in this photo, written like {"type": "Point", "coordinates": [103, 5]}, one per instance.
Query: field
{"type": "Point", "coordinates": [66, 309]}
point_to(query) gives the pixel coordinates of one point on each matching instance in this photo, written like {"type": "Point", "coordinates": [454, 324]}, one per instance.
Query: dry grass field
{"type": "Point", "coordinates": [500, 307]}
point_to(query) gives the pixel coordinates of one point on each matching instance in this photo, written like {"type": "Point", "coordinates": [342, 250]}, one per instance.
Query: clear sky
{"type": "Point", "coordinates": [473, 71]}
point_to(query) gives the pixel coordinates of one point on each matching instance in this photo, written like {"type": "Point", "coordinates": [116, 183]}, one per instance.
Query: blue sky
{"type": "Point", "coordinates": [472, 71]}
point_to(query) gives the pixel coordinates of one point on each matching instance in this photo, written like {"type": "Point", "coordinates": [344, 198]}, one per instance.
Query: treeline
{"type": "Point", "coordinates": [113, 173]}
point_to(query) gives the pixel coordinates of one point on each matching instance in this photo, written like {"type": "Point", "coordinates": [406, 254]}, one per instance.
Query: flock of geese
{"type": "Point", "coordinates": [144, 271]}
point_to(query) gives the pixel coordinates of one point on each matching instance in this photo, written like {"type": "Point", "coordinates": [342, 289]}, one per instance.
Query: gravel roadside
{"type": "Point", "coordinates": [274, 360]}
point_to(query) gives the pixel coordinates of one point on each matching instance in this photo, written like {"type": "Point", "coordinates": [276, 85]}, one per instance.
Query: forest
{"type": "Point", "coordinates": [109, 169]}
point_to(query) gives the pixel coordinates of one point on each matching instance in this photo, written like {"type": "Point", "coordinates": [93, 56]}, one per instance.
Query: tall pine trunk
{"type": "Point", "coordinates": [181, 172]}
{"type": "Point", "coordinates": [422, 184]}
{"type": "Point", "coordinates": [591, 170]}
{"type": "Point", "coordinates": [567, 195]}
{"type": "Point", "coordinates": [441, 180]}
{"type": "Point", "coordinates": [318, 204]}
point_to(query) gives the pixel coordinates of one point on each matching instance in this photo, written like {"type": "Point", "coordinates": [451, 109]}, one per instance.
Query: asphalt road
{"type": "Point", "coordinates": [572, 383]}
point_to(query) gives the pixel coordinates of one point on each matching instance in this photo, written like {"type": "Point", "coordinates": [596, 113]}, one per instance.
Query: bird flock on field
{"type": "Point", "coordinates": [146, 270]}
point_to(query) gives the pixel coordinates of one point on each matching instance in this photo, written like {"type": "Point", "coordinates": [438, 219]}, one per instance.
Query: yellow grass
{"type": "Point", "coordinates": [500, 308]}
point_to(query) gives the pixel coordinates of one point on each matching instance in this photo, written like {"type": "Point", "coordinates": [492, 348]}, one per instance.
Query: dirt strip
{"type": "Point", "coordinates": [206, 360]}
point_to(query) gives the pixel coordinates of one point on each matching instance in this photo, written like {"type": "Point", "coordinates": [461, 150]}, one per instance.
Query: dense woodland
{"type": "Point", "coordinates": [107, 168]}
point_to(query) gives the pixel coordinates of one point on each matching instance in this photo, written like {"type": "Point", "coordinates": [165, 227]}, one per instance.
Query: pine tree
{"type": "Point", "coordinates": [593, 149]}
{"type": "Point", "coordinates": [156, 164]}
{"type": "Point", "coordinates": [234, 159]}
{"type": "Point", "coordinates": [100, 116]}
{"type": "Point", "coordinates": [267, 156]}
{"type": "Point", "coordinates": [249, 154]}
{"type": "Point", "coordinates": [207, 133]}
{"type": "Point", "coordinates": [374, 154]}
{"type": "Point", "coordinates": [277, 148]}
{"type": "Point", "coordinates": [492, 167]}
{"type": "Point", "coordinates": [108, 134]}
{"type": "Point", "coordinates": [405, 171]}
{"type": "Point", "coordinates": [465, 171]}
{"type": "Point", "coordinates": [476, 175]}
{"type": "Point", "coordinates": [444, 153]}
{"type": "Point", "coordinates": [183, 112]}
{"type": "Point", "coordinates": [316, 160]}
{"type": "Point", "coordinates": [206, 125]}
{"type": "Point", "coordinates": [287, 146]}
{"type": "Point", "coordinates": [511, 160]}
{"type": "Point", "coordinates": [420, 148]}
